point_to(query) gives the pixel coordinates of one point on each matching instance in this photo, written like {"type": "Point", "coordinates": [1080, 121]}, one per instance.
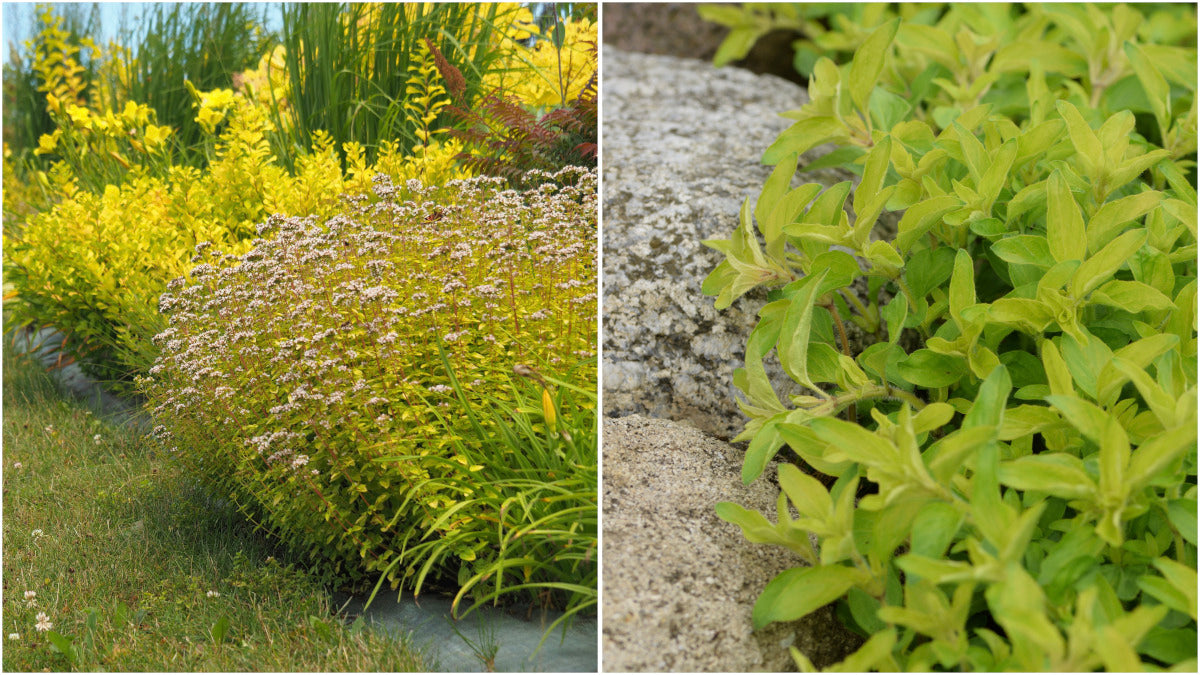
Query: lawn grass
{"type": "Point", "coordinates": [134, 565]}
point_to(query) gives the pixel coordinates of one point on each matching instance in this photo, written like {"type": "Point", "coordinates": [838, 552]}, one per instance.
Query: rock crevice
{"type": "Point", "coordinates": [682, 142]}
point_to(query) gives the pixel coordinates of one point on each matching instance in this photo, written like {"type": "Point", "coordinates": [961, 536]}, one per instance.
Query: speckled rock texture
{"type": "Point", "coordinates": [682, 143]}
{"type": "Point", "coordinates": [679, 583]}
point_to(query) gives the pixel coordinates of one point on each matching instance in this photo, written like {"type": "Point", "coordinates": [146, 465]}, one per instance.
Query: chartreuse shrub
{"type": "Point", "coordinates": [1007, 477]}
{"type": "Point", "coordinates": [405, 390]}
{"type": "Point", "coordinates": [55, 61]}
{"type": "Point", "coordinates": [128, 217]}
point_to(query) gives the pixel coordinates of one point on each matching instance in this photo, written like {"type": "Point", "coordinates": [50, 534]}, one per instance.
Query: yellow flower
{"type": "Point", "coordinates": [213, 106]}
{"type": "Point", "coordinates": [156, 135]}
{"type": "Point", "coordinates": [209, 119]}
{"type": "Point", "coordinates": [81, 117]}
{"type": "Point", "coordinates": [99, 125]}
{"type": "Point", "coordinates": [217, 98]}
{"type": "Point", "coordinates": [47, 143]}
{"type": "Point", "coordinates": [135, 114]}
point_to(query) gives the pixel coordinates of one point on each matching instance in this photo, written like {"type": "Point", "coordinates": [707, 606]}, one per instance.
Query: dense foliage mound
{"type": "Point", "coordinates": [108, 193]}
{"type": "Point", "coordinates": [93, 264]}
{"type": "Point", "coordinates": [1007, 478]}
{"type": "Point", "coordinates": [349, 384]}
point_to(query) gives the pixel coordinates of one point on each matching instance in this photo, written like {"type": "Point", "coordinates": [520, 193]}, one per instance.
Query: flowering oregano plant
{"type": "Point", "coordinates": [324, 379]}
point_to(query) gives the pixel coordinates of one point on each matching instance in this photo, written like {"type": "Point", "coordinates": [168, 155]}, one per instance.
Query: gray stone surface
{"type": "Point", "coordinates": [45, 345]}
{"type": "Point", "coordinates": [682, 143]}
{"type": "Point", "coordinates": [454, 646]}
{"type": "Point", "coordinates": [680, 583]}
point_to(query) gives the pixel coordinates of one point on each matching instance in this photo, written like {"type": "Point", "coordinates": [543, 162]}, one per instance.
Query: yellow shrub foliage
{"type": "Point", "coordinates": [54, 59]}
{"type": "Point", "coordinates": [94, 263]}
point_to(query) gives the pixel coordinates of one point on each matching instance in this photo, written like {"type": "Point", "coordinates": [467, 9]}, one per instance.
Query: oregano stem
{"type": "Point", "coordinates": [868, 392]}
{"type": "Point", "coordinates": [851, 410]}
{"type": "Point", "coordinates": [852, 299]}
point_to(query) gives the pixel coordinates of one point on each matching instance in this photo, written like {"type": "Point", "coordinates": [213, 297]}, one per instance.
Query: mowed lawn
{"type": "Point", "coordinates": [115, 560]}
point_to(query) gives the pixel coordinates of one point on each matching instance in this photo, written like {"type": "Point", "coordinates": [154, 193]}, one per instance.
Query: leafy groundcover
{"type": "Point", "coordinates": [1006, 479]}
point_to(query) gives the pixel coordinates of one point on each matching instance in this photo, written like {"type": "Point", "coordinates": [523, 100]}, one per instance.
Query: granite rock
{"type": "Point", "coordinates": [682, 142]}
{"type": "Point", "coordinates": [680, 583]}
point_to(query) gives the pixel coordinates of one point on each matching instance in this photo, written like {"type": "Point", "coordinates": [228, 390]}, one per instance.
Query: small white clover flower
{"type": "Point", "coordinates": [213, 594]}
{"type": "Point", "coordinates": [14, 636]}
{"type": "Point", "coordinates": [17, 465]}
{"type": "Point", "coordinates": [43, 622]}
{"type": "Point", "coordinates": [97, 439]}
{"type": "Point", "coordinates": [30, 598]}
{"type": "Point", "coordinates": [37, 534]}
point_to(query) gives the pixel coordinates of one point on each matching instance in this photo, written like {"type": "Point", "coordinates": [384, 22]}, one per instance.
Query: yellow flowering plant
{"type": "Point", "coordinates": [556, 69]}
{"type": "Point", "coordinates": [92, 263]}
{"type": "Point", "coordinates": [98, 149]}
{"type": "Point", "coordinates": [55, 59]}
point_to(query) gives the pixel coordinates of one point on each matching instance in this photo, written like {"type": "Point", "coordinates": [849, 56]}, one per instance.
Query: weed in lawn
{"type": "Point", "coordinates": [484, 646]}
{"type": "Point", "coordinates": [114, 559]}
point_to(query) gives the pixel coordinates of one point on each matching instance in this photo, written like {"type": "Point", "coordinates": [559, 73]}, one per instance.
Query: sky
{"type": "Point", "coordinates": [17, 19]}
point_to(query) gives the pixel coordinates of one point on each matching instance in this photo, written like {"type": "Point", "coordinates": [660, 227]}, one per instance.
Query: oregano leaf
{"type": "Point", "coordinates": [868, 63]}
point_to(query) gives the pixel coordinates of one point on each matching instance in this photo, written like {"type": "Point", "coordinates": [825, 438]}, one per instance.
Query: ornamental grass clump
{"type": "Point", "coordinates": [406, 389]}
